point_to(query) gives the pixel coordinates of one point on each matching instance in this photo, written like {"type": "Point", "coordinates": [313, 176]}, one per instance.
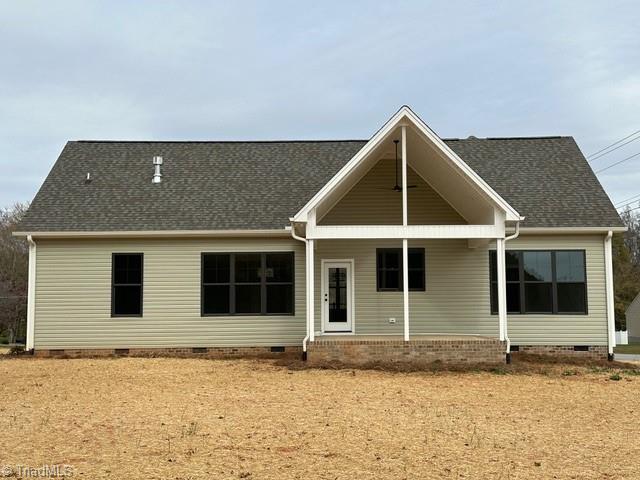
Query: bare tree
{"type": "Point", "coordinates": [14, 260]}
{"type": "Point", "coordinates": [631, 219]}
{"type": "Point", "coordinates": [626, 265]}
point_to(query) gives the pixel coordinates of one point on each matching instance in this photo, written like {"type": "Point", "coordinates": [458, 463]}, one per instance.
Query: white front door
{"type": "Point", "coordinates": [337, 296]}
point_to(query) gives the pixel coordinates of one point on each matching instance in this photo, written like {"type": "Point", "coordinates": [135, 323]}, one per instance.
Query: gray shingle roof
{"type": "Point", "coordinates": [259, 185]}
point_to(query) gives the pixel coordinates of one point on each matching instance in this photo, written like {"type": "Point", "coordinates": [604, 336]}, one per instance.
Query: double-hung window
{"type": "Point", "coordinates": [247, 283]}
{"type": "Point", "coordinates": [126, 284]}
{"type": "Point", "coordinates": [389, 269]}
{"type": "Point", "coordinates": [542, 281]}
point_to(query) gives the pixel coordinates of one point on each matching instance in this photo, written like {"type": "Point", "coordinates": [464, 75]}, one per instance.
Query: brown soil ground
{"type": "Point", "coordinates": [160, 418]}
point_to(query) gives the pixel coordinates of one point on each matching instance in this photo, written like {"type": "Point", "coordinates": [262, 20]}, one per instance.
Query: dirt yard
{"type": "Point", "coordinates": [196, 419]}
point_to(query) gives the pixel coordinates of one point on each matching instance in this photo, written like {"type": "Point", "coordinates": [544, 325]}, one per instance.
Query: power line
{"type": "Point", "coordinates": [618, 163]}
{"type": "Point", "coordinates": [622, 207]}
{"type": "Point", "coordinates": [631, 209]}
{"type": "Point", "coordinates": [613, 144]}
{"type": "Point", "coordinates": [627, 199]}
{"type": "Point", "coordinates": [613, 149]}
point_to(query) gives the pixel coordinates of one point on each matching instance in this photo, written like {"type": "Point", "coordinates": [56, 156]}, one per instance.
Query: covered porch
{"type": "Point", "coordinates": [397, 258]}
{"type": "Point", "coordinates": [446, 314]}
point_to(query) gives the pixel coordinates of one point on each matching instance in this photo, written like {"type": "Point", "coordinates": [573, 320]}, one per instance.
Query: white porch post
{"type": "Point", "coordinates": [611, 313]}
{"type": "Point", "coordinates": [405, 286]}
{"type": "Point", "coordinates": [502, 286]}
{"type": "Point", "coordinates": [31, 295]}
{"type": "Point", "coordinates": [310, 290]}
{"type": "Point", "coordinates": [405, 242]}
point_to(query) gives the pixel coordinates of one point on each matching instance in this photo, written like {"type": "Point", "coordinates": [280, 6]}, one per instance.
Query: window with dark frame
{"type": "Point", "coordinates": [126, 284]}
{"type": "Point", "coordinates": [542, 282]}
{"type": "Point", "coordinates": [389, 269]}
{"type": "Point", "coordinates": [247, 284]}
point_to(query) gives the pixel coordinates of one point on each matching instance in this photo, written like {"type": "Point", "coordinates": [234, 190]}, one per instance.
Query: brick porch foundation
{"type": "Point", "coordinates": [595, 352]}
{"type": "Point", "coordinates": [183, 352]}
{"type": "Point", "coordinates": [419, 351]}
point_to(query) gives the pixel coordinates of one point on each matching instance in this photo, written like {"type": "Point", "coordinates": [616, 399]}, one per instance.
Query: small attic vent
{"type": "Point", "coordinates": [157, 163]}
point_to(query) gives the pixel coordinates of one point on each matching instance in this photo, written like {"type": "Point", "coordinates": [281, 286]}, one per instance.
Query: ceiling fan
{"type": "Point", "coordinates": [397, 187]}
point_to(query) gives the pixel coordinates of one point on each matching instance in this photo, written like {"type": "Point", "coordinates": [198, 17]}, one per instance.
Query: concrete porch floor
{"type": "Point", "coordinates": [420, 350]}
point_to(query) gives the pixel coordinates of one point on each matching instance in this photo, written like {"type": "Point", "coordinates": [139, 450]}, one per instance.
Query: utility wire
{"type": "Point", "coordinates": [627, 199]}
{"type": "Point", "coordinates": [613, 149]}
{"type": "Point", "coordinates": [613, 144]}
{"type": "Point", "coordinates": [618, 162]}
{"type": "Point", "coordinates": [631, 209]}
{"type": "Point", "coordinates": [622, 207]}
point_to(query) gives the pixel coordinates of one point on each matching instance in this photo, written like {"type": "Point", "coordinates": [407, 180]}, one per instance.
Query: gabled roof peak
{"type": "Point", "coordinates": [406, 116]}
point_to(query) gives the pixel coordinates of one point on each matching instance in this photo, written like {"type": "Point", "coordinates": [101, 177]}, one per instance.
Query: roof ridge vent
{"type": "Point", "coordinates": [157, 176]}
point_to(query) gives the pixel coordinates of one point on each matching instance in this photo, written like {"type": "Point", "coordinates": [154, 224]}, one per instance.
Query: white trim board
{"type": "Point", "coordinates": [569, 230]}
{"type": "Point", "coordinates": [285, 232]}
{"type": "Point", "coordinates": [346, 232]}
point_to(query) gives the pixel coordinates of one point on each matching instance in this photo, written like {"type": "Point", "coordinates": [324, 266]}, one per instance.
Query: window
{"type": "Point", "coordinates": [247, 283]}
{"type": "Point", "coordinates": [389, 269]}
{"type": "Point", "coordinates": [126, 284]}
{"type": "Point", "coordinates": [513, 282]}
{"type": "Point", "coordinates": [542, 281]}
{"type": "Point", "coordinates": [571, 282]}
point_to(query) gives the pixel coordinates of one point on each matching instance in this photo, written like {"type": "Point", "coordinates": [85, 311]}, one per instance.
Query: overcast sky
{"type": "Point", "coordinates": [313, 70]}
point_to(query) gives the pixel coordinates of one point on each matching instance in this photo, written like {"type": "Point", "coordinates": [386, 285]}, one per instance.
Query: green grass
{"type": "Point", "coordinates": [631, 348]}
{"type": "Point", "coordinates": [3, 340]}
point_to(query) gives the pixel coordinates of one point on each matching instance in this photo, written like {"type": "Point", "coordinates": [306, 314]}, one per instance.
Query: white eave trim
{"type": "Point", "coordinates": [569, 230]}
{"type": "Point", "coordinates": [395, 120]}
{"type": "Point", "coordinates": [285, 232]}
{"type": "Point", "coordinates": [348, 232]}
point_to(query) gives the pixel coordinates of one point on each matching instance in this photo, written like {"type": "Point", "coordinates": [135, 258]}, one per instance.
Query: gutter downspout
{"type": "Point", "coordinates": [506, 330]}
{"type": "Point", "coordinates": [31, 295]}
{"type": "Point", "coordinates": [306, 272]}
{"type": "Point", "coordinates": [608, 267]}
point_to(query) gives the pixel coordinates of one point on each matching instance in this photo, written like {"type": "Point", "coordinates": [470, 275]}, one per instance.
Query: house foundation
{"type": "Point", "coordinates": [593, 352]}
{"type": "Point", "coordinates": [292, 352]}
{"type": "Point", "coordinates": [420, 350]}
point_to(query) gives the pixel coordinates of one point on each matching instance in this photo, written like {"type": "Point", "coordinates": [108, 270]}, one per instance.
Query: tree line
{"type": "Point", "coordinates": [626, 265]}
{"type": "Point", "coordinates": [14, 261]}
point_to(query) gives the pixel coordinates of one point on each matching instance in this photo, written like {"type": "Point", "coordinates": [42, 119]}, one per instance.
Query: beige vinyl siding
{"type": "Point", "coordinates": [373, 202]}
{"type": "Point", "coordinates": [457, 299]}
{"type": "Point", "coordinates": [73, 296]}
{"type": "Point", "coordinates": [590, 329]}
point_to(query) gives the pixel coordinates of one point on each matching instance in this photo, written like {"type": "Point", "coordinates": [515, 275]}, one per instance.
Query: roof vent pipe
{"type": "Point", "coordinates": [157, 176]}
